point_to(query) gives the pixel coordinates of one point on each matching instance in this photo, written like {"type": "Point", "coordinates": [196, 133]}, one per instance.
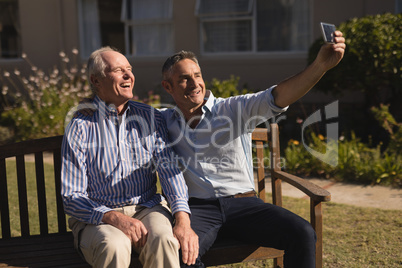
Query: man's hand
{"type": "Point", "coordinates": [133, 228]}
{"type": "Point", "coordinates": [295, 87]}
{"type": "Point", "coordinates": [331, 54]}
{"type": "Point", "coordinates": [188, 239]}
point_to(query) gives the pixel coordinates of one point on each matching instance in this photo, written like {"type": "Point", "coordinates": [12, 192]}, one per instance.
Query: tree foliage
{"type": "Point", "coordinates": [226, 88]}
{"type": "Point", "coordinates": [372, 61]}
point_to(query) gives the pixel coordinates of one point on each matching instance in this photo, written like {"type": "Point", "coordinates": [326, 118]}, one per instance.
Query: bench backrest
{"type": "Point", "coordinates": [52, 146]}
{"type": "Point", "coordinates": [18, 151]}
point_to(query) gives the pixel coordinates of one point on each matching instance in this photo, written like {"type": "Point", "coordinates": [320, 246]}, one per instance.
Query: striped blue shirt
{"type": "Point", "coordinates": [110, 161]}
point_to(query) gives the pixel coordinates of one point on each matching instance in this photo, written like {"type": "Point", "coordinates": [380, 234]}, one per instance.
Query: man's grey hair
{"type": "Point", "coordinates": [96, 65]}
{"type": "Point", "coordinates": [167, 68]}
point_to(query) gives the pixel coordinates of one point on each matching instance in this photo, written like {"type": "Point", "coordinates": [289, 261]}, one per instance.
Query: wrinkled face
{"type": "Point", "coordinates": [186, 85]}
{"type": "Point", "coordinates": [117, 85]}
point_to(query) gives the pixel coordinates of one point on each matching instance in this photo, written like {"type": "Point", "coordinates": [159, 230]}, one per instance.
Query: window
{"type": "Point", "coordinates": [253, 25]}
{"type": "Point", "coordinates": [148, 27]}
{"type": "Point", "coordinates": [100, 25]}
{"type": "Point", "coordinates": [10, 33]}
{"type": "Point", "coordinates": [398, 6]}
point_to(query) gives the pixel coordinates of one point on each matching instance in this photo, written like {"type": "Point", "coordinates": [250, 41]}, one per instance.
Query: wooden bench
{"type": "Point", "coordinates": [48, 248]}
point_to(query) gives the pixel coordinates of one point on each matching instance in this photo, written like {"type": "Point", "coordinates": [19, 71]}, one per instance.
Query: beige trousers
{"type": "Point", "coordinates": [106, 246]}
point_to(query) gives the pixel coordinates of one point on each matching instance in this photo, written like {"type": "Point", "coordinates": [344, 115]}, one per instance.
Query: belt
{"type": "Point", "coordinates": [246, 194]}
{"type": "Point", "coordinates": [197, 201]}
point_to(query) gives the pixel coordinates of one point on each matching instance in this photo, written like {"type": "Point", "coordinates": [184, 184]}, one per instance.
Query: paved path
{"type": "Point", "coordinates": [352, 194]}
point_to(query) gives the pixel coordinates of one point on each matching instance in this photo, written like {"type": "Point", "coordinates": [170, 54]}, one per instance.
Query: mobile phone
{"type": "Point", "coordinates": [328, 32]}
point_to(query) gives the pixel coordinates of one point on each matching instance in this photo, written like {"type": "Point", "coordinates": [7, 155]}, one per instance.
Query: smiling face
{"type": "Point", "coordinates": [186, 85]}
{"type": "Point", "coordinates": [116, 87]}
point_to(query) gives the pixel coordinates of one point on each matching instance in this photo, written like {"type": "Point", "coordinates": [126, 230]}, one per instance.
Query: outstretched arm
{"type": "Point", "coordinates": [292, 89]}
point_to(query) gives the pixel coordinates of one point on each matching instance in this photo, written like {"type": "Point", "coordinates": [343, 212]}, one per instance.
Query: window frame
{"type": "Point", "coordinates": [129, 23]}
{"type": "Point", "coordinates": [18, 48]}
{"type": "Point", "coordinates": [254, 34]}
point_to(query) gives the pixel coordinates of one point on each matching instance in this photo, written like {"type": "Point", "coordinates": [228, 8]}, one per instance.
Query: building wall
{"type": "Point", "coordinates": [47, 27]}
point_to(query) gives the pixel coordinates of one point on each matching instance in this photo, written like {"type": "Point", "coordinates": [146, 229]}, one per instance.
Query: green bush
{"type": "Point", "coordinates": [226, 88]}
{"type": "Point", "coordinates": [393, 128]}
{"type": "Point", "coordinates": [372, 60]}
{"type": "Point", "coordinates": [357, 162]}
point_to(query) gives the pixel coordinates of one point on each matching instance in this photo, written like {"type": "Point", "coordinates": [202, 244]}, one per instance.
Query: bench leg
{"type": "Point", "coordinates": [316, 222]}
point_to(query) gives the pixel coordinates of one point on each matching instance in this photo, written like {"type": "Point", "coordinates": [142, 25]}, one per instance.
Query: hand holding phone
{"type": "Point", "coordinates": [328, 31]}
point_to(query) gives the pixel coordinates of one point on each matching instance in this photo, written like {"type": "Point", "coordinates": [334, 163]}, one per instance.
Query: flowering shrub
{"type": "Point", "coordinates": [35, 106]}
{"type": "Point", "coordinates": [357, 161]}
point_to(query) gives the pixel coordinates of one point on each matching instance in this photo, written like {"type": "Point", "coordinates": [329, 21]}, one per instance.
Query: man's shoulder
{"type": "Point", "coordinates": [143, 107]}
{"type": "Point", "coordinates": [82, 119]}
{"type": "Point", "coordinates": [166, 112]}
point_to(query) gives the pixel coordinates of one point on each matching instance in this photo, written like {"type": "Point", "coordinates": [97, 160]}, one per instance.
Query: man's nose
{"type": "Point", "coordinates": [192, 82]}
{"type": "Point", "coordinates": [127, 74]}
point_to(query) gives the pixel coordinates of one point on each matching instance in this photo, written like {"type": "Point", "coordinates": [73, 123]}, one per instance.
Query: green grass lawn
{"type": "Point", "coordinates": [353, 236]}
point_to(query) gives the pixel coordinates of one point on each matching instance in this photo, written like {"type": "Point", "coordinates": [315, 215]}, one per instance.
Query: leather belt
{"type": "Point", "coordinates": [246, 194]}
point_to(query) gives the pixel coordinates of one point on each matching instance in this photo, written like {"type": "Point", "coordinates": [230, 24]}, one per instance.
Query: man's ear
{"type": "Point", "coordinates": [95, 80]}
{"type": "Point", "coordinates": [167, 86]}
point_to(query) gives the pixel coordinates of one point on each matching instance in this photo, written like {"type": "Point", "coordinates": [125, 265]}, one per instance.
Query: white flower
{"type": "Point", "coordinates": [62, 54]}
{"type": "Point", "coordinates": [75, 51]}
{"type": "Point", "coordinates": [5, 90]}
{"type": "Point", "coordinates": [6, 74]}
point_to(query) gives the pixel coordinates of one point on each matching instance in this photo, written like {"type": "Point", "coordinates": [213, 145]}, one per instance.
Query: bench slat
{"type": "Point", "coordinates": [61, 216]}
{"type": "Point", "coordinates": [31, 146]}
{"type": "Point", "coordinates": [4, 208]}
{"type": "Point", "coordinates": [41, 192]}
{"type": "Point", "coordinates": [227, 251]}
{"type": "Point", "coordinates": [40, 251]}
{"type": "Point", "coordinates": [22, 195]}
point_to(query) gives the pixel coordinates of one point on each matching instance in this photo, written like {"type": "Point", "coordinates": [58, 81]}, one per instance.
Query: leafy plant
{"type": "Point", "coordinates": [393, 128]}
{"type": "Point", "coordinates": [226, 88]}
{"type": "Point", "coordinates": [357, 161]}
{"type": "Point", "coordinates": [37, 105]}
{"type": "Point", "coordinates": [372, 60]}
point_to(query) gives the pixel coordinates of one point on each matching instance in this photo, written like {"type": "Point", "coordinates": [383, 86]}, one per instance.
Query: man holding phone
{"type": "Point", "coordinates": [212, 136]}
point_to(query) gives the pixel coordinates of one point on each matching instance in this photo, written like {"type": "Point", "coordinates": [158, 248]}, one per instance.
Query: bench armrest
{"type": "Point", "coordinates": [314, 191]}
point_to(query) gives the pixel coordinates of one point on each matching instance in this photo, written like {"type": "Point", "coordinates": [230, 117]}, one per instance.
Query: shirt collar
{"type": "Point", "coordinates": [209, 97]}
{"type": "Point", "coordinates": [109, 109]}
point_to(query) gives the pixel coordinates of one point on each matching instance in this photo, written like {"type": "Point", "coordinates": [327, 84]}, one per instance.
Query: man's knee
{"type": "Point", "coordinates": [106, 251]}
{"type": "Point", "coordinates": [163, 241]}
{"type": "Point", "coordinates": [305, 232]}
{"type": "Point", "coordinates": [161, 250]}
